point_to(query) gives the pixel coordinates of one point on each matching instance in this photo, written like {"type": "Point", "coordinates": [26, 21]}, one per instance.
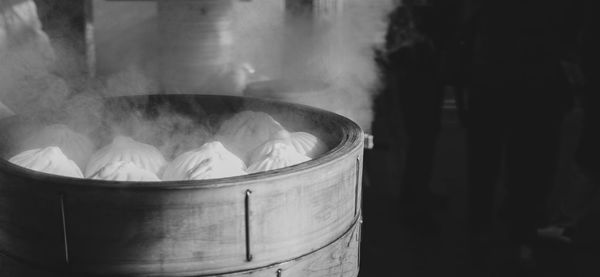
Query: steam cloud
{"type": "Point", "coordinates": [335, 50]}
{"type": "Point", "coordinates": [25, 55]}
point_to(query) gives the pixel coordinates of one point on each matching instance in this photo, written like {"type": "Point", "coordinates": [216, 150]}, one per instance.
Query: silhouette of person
{"type": "Point", "coordinates": [586, 164]}
{"type": "Point", "coordinates": [417, 34]}
{"type": "Point", "coordinates": [518, 96]}
{"type": "Point", "coordinates": [587, 157]}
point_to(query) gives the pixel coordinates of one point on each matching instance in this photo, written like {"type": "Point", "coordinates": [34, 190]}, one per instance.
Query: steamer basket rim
{"type": "Point", "coordinates": [351, 142]}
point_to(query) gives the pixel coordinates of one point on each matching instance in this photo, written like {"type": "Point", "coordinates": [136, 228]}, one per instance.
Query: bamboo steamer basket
{"type": "Point", "coordinates": [302, 220]}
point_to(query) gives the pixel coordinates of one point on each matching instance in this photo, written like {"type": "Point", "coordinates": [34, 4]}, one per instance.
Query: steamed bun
{"type": "Point", "coordinates": [275, 154]}
{"type": "Point", "coordinates": [305, 143]}
{"type": "Point", "coordinates": [75, 146]}
{"type": "Point", "coordinates": [124, 171]}
{"type": "Point", "coordinates": [174, 134]}
{"type": "Point", "coordinates": [247, 130]}
{"type": "Point", "coordinates": [178, 143]}
{"type": "Point", "coordinates": [126, 149]}
{"type": "Point", "coordinates": [212, 160]}
{"type": "Point", "coordinates": [50, 160]}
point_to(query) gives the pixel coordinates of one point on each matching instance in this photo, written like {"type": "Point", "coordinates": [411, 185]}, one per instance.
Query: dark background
{"type": "Point", "coordinates": [390, 249]}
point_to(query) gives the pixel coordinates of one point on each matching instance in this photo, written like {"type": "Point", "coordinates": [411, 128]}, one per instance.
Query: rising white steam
{"type": "Point", "coordinates": [335, 51]}
{"type": "Point", "coordinates": [25, 57]}
{"type": "Point", "coordinates": [331, 48]}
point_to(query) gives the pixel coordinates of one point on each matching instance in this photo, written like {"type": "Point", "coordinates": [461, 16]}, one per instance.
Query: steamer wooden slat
{"type": "Point", "coordinates": [340, 258]}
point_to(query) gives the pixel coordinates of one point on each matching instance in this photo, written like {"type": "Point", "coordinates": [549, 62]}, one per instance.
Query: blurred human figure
{"type": "Point", "coordinates": [586, 164]}
{"type": "Point", "coordinates": [415, 42]}
{"type": "Point", "coordinates": [517, 98]}
{"type": "Point", "coordinates": [587, 157]}
{"type": "Point", "coordinates": [588, 154]}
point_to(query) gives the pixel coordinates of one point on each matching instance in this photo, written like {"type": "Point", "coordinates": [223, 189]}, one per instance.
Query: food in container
{"type": "Point", "coordinates": [275, 154]}
{"type": "Point", "coordinates": [246, 130]}
{"type": "Point", "coordinates": [50, 160]}
{"type": "Point", "coordinates": [75, 146]}
{"type": "Point", "coordinates": [124, 171]}
{"type": "Point", "coordinates": [305, 143]}
{"type": "Point", "coordinates": [126, 149]}
{"type": "Point", "coordinates": [212, 160]}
